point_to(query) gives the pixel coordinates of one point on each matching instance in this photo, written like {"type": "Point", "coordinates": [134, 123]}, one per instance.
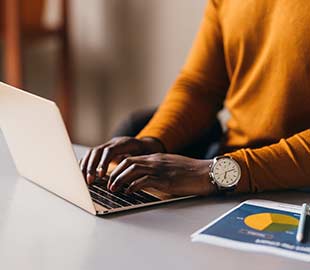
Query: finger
{"type": "Point", "coordinates": [93, 163]}
{"type": "Point", "coordinates": [143, 182]}
{"type": "Point", "coordinates": [133, 172]}
{"type": "Point", "coordinates": [115, 161]}
{"type": "Point", "coordinates": [108, 154]}
{"type": "Point", "coordinates": [118, 159]}
{"type": "Point", "coordinates": [84, 162]}
{"type": "Point", "coordinates": [127, 162]}
{"type": "Point", "coordinates": [111, 152]}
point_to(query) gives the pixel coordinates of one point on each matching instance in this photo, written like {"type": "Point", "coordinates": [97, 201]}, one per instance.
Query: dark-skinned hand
{"type": "Point", "coordinates": [139, 168]}
{"type": "Point", "coordinates": [173, 174]}
{"type": "Point", "coordinates": [97, 159]}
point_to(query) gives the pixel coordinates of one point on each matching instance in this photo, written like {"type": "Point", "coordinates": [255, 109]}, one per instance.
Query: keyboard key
{"type": "Point", "coordinates": [100, 203]}
{"type": "Point", "coordinates": [126, 197]}
{"type": "Point", "coordinates": [103, 201]}
{"type": "Point", "coordinates": [137, 197]}
{"type": "Point", "coordinates": [146, 197]}
{"type": "Point", "coordinates": [109, 196]}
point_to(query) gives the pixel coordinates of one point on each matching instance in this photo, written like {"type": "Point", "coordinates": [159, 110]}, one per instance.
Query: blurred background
{"type": "Point", "coordinates": [99, 59]}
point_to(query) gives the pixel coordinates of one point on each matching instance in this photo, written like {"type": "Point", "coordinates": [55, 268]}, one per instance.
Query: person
{"type": "Point", "coordinates": [253, 57]}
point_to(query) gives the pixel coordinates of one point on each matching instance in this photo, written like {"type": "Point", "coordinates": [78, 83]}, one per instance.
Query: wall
{"type": "Point", "coordinates": [127, 53]}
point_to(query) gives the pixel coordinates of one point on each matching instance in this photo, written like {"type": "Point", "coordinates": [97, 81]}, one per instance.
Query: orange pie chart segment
{"type": "Point", "coordinates": [271, 222]}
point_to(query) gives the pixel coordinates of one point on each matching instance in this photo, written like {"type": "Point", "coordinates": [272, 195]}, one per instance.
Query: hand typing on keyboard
{"type": "Point", "coordinates": [139, 168]}
{"type": "Point", "coordinates": [97, 159]}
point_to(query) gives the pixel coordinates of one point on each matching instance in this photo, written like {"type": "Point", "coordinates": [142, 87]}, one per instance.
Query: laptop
{"type": "Point", "coordinates": [42, 151]}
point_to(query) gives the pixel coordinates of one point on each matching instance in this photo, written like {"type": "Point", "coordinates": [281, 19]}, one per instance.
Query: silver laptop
{"type": "Point", "coordinates": [42, 152]}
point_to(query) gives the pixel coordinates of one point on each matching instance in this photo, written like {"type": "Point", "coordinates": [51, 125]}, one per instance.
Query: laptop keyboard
{"type": "Point", "coordinates": [111, 200]}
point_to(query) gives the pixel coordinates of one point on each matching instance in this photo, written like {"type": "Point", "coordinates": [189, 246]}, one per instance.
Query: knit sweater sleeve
{"type": "Point", "coordinates": [198, 93]}
{"type": "Point", "coordinates": [284, 165]}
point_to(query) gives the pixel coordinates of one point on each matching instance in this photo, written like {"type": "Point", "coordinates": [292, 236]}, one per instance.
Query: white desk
{"type": "Point", "coordinates": [41, 231]}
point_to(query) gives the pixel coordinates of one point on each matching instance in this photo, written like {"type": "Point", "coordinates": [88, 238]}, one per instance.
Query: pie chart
{"type": "Point", "coordinates": [271, 222]}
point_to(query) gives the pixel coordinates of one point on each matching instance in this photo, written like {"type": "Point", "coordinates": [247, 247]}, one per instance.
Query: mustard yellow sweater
{"type": "Point", "coordinates": [253, 56]}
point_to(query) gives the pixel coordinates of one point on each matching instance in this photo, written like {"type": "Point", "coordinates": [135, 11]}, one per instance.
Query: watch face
{"type": "Point", "coordinates": [226, 172]}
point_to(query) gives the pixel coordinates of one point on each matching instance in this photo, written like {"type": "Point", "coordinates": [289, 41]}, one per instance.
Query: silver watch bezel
{"type": "Point", "coordinates": [213, 178]}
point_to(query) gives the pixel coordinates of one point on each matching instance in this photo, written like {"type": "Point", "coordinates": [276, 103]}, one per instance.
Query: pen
{"type": "Point", "coordinates": [302, 222]}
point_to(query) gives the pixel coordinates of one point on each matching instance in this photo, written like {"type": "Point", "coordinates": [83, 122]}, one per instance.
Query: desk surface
{"type": "Point", "coordinates": [41, 231]}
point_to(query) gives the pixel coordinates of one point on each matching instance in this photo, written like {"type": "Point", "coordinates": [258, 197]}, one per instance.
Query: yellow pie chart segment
{"type": "Point", "coordinates": [271, 222]}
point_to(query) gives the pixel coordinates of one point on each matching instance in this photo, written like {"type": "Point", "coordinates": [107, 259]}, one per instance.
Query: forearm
{"type": "Point", "coordinates": [284, 165]}
{"type": "Point", "coordinates": [187, 111]}
{"type": "Point", "coordinates": [199, 91]}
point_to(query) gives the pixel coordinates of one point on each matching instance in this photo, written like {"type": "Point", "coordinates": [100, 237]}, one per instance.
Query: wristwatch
{"type": "Point", "coordinates": [225, 173]}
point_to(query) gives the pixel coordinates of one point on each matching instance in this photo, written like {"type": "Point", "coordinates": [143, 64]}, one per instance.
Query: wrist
{"type": "Point", "coordinates": [207, 187]}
